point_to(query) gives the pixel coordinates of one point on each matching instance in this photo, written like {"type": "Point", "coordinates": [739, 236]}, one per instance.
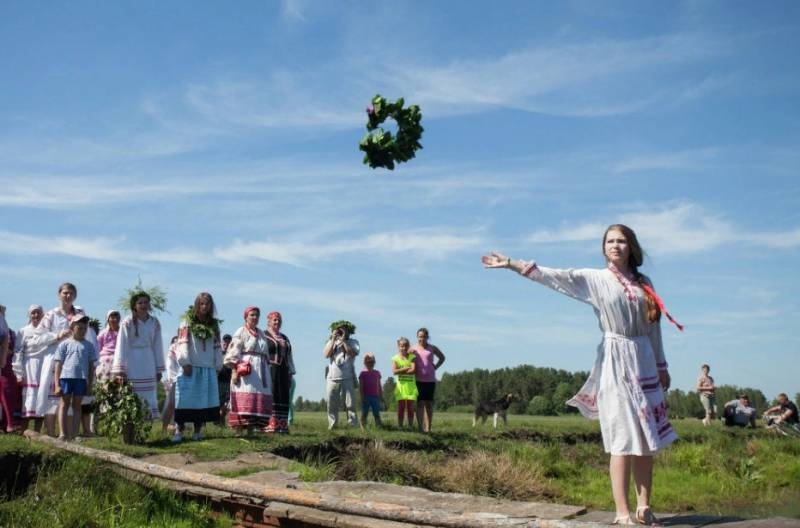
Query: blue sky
{"type": "Point", "coordinates": [208, 146]}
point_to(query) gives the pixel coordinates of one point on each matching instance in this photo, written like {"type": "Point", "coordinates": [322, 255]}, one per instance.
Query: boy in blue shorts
{"type": "Point", "coordinates": [74, 373]}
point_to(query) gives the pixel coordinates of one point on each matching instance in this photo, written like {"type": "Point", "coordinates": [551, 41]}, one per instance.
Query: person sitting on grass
{"type": "Point", "coordinates": [369, 382]}
{"type": "Point", "coordinates": [74, 371]}
{"type": "Point", "coordinates": [786, 412]}
{"type": "Point", "coordinates": [739, 412]}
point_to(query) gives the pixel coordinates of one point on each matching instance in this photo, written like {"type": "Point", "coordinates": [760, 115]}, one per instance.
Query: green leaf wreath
{"type": "Point", "coordinates": [350, 327]}
{"type": "Point", "coordinates": [158, 297]}
{"type": "Point", "coordinates": [201, 330]}
{"type": "Point", "coordinates": [381, 148]}
{"type": "Point", "coordinates": [119, 407]}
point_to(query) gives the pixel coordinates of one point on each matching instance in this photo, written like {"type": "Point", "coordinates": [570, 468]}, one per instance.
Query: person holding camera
{"type": "Point", "coordinates": [340, 379]}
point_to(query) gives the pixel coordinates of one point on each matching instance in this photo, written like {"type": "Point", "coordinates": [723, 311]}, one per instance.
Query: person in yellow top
{"type": "Point", "coordinates": [405, 391]}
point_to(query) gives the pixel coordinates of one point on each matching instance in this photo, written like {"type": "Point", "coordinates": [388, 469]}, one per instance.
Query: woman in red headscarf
{"type": "Point", "coordinates": [282, 367]}
{"type": "Point", "coordinates": [251, 381]}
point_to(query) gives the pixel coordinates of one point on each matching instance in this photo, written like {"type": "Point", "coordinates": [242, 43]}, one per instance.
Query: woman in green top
{"type": "Point", "coordinates": [405, 391]}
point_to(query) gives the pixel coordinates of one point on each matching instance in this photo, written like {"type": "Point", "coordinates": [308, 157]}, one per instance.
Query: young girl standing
{"type": "Point", "coordinates": [199, 353]}
{"type": "Point", "coordinates": [405, 390]}
{"type": "Point", "coordinates": [369, 383]}
{"type": "Point", "coordinates": [139, 354]}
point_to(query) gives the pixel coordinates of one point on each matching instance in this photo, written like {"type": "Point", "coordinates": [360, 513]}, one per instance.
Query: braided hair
{"type": "Point", "coordinates": [635, 259]}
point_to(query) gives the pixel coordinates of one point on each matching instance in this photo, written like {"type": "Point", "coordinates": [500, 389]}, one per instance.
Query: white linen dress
{"type": "Point", "coordinates": [33, 361]}
{"type": "Point", "coordinates": [139, 356]}
{"type": "Point", "coordinates": [623, 389]}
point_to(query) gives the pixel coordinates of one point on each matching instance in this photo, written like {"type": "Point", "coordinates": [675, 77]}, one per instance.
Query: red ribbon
{"type": "Point", "coordinates": [650, 291]}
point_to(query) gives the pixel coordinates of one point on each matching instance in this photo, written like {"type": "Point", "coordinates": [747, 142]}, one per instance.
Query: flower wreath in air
{"type": "Point", "coordinates": [381, 148]}
{"type": "Point", "coordinates": [199, 329]}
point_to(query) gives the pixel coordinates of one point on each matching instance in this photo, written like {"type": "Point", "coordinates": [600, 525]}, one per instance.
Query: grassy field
{"type": "Point", "coordinates": [715, 470]}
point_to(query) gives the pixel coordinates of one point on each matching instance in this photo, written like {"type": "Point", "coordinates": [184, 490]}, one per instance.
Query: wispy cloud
{"type": "Point", "coordinates": [686, 159]}
{"type": "Point", "coordinates": [677, 229]}
{"type": "Point", "coordinates": [564, 79]}
{"type": "Point", "coordinates": [425, 243]}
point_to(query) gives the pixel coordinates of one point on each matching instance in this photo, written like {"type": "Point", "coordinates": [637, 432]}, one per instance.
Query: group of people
{"type": "Point", "coordinates": [739, 411]}
{"type": "Point", "coordinates": [625, 389]}
{"type": "Point", "coordinates": [51, 364]}
{"type": "Point", "coordinates": [415, 384]}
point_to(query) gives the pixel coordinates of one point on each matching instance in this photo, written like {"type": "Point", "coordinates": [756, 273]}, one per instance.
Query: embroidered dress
{"type": "Point", "coordinates": [139, 356]}
{"type": "Point", "coordinates": [282, 370]}
{"type": "Point", "coordinates": [106, 344]}
{"type": "Point", "coordinates": [406, 387]}
{"type": "Point", "coordinates": [33, 362]}
{"type": "Point", "coordinates": [251, 394]}
{"type": "Point", "coordinates": [623, 389]}
{"type": "Point", "coordinates": [197, 395]}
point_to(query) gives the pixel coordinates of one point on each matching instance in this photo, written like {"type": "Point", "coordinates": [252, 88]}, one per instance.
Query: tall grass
{"type": "Point", "coordinates": [716, 470]}
{"type": "Point", "coordinates": [74, 492]}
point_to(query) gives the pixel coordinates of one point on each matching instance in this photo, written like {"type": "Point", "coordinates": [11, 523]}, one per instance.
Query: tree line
{"type": "Point", "coordinates": [542, 391]}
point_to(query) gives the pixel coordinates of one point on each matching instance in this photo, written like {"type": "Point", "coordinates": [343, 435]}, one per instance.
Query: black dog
{"type": "Point", "coordinates": [497, 407]}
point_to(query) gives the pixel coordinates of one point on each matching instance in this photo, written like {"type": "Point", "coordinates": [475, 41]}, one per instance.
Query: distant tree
{"type": "Point", "coordinates": [541, 406]}
{"type": "Point", "coordinates": [563, 393]}
{"type": "Point", "coordinates": [388, 393]}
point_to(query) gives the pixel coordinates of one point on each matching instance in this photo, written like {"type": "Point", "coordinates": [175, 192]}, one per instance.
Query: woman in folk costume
{"type": "Point", "coordinates": [281, 365]}
{"type": "Point", "coordinates": [139, 353]}
{"type": "Point", "coordinates": [32, 366]}
{"type": "Point", "coordinates": [251, 381]}
{"type": "Point", "coordinates": [10, 389]}
{"type": "Point", "coordinates": [625, 389]}
{"type": "Point", "coordinates": [58, 321]}
{"type": "Point", "coordinates": [199, 353]}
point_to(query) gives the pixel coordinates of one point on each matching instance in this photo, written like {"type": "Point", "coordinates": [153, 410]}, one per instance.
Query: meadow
{"type": "Point", "coordinates": [716, 470]}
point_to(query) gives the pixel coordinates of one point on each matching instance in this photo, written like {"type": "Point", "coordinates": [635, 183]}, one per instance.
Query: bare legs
{"type": "Point", "coordinates": [424, 415]}
{"type": "Point", "coordinates": [620, 468]}
{"type": "Point", "coordinates": [69, 425]}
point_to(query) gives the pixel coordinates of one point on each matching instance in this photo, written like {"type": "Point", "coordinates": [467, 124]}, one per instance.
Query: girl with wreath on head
{"type": "Point", "coordinates": [199, 353]}
{"type": "Point", "coordinates": [139, 353]}
{"type": "Point", "coordinates": [58, 321]}
{"type": "Point", "coordinates": [625, 389]}
{"type": "Point", "coordinates": [282, 368]}
{"type": "Point", "coordinates": [32, 364]}
{"type": "Point", "coordinates": [251, 379]}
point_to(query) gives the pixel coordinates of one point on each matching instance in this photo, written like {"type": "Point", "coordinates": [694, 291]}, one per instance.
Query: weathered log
{"type": "Point", "coordinates": [331, 503]}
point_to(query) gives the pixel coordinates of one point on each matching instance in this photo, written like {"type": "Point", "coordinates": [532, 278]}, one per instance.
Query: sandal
{"type": "Point", "coordinates": [624, 520]}
{"type": "Point", "coordinates": [645, 516]}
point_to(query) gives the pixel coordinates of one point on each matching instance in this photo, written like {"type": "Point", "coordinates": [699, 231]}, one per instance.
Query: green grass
{"type": "Point", "coordinates": [73, 492]}
{"type": "Point", "coordinates": [717, 470]}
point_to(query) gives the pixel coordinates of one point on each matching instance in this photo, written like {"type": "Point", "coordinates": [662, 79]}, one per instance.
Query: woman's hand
{"type": "Point", "coordinates": [496, 260]}
{"type": "Point", "coordinates": [187, 371]}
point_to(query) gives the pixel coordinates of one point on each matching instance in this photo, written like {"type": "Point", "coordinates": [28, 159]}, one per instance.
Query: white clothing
{"type": "Point", "coordinates": [623, 388]}
{"type": "Point", "coordinates": [33, 362]}
{"type": "Point", "coordinates": [139, 356]}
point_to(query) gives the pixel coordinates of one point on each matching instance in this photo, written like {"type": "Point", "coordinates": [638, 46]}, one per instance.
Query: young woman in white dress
{"type": "Point", "coordinates": [625, 389]}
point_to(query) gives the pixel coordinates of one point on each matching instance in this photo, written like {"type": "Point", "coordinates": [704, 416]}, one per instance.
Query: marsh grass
{"type": "Point", "coordinates": [716, 470]}
{"type": "Point", "coordinates": [72, 492]}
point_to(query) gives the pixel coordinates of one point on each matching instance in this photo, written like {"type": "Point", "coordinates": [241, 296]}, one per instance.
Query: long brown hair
{"type": "Point", "coordinates": [635, 259]}
{"type": "Point", "coordinates": [207, 319]}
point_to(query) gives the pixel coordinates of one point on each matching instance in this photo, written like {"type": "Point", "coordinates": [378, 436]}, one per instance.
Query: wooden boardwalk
{"type": "Point", "coordinates": [273, 496]}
